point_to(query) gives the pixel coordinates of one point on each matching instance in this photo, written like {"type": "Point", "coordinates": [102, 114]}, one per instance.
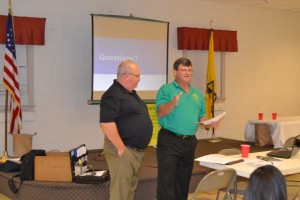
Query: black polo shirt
{"type": "Point", "coordinates": [130, 114]}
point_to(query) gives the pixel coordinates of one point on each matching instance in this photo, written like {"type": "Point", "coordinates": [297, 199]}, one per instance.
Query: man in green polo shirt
{"type": "Point", "coordinates": [179, 107]}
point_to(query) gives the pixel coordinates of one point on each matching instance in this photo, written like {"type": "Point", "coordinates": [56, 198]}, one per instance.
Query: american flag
{"type": "Point", "coordinates": [10, 78]}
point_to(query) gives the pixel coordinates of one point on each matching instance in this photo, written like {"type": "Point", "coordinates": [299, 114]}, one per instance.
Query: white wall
{"type": "Point", "coordinates": [261, 77]}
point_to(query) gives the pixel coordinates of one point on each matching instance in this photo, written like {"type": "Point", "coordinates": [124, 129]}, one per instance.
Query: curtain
{"type": "Point", "coordinates": [28, 30]}
{"type": "Point", "coordinates": [198, 39]}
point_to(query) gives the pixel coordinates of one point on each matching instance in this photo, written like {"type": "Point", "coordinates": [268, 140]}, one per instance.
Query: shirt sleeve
{"type": "Point", "coordinates": [109, 108]}
{"type": "Point", "coordinates": [162, 97]}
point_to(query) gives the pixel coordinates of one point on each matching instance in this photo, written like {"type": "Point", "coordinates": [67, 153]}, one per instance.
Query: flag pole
{"type": "Point", "coordinates": [212, 92]}
{"type": "Point", "coordinates": [11, 49]}
{"type": "Point", "coordinates": [213, 137]}
{"type": "Point", "coordinates": [5, 155]}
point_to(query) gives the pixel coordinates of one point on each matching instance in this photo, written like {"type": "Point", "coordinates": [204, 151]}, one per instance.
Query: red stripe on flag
{"type": "Point", "coordinates": [16, 116]}
{"type": "Point", "coordinates": [12, 83]}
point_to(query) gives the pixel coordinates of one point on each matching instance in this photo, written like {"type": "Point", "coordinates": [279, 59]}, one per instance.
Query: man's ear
{"type": "Point", "coordinates": [175, 72]}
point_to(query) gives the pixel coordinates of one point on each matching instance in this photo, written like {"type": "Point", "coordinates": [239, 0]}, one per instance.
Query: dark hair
{"type": "Point", "coordinates": [266, 183]}
{"type": "Point", "coordinates": [181, 61]}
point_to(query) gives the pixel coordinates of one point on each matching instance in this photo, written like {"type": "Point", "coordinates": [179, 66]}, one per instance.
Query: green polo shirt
{"type": "Point", "coordinates": [184, 117]}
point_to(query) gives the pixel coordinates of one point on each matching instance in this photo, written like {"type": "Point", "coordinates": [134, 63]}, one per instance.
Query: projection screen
{"type": "Point", "coordinates": [118, 38]}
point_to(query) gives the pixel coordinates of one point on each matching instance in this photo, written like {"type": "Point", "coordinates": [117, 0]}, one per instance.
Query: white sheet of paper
{"type": "Point", "coordinates": [258, 163]}
{"type": "Point", "coordinates": [16, 160]}
{"type": "Point", "coordinates": [208, 122]}
{"type": "Point", "coordinates": [94, 173]}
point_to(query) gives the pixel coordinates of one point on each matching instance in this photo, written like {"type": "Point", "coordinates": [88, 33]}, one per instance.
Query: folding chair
{"type": "Point", "coordinates": [240, 185]}
{"type": "Point", "coordinates": [229, 152]}
{"type": "Point", "coordinates": [216, 180]}
{"type": "Point", "coordinates": [289, 142]}
{"type": "Point", "coordinates": [294, 179]}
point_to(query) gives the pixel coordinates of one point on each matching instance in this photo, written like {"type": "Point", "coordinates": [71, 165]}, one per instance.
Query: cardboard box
{"type": "Point", "coordinates": [55, 166]}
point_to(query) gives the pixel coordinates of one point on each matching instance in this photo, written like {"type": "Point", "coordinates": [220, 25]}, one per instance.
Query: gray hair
{"type": "Point", "coordinates": [125, 67]}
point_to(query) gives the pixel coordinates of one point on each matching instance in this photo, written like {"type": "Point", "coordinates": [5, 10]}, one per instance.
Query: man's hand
{"type": "Point", "coordinates": [176, 99]}
{"type": "Point", "coordinates": [215, 124]}
{"type": "Point", "coordinates": [166, 108]}
{"type": "Point", "coordinates": [121, 152]}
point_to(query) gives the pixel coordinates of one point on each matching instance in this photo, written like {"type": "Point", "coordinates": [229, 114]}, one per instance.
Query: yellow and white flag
{"type": "Point", "coordinates": [211, 85]}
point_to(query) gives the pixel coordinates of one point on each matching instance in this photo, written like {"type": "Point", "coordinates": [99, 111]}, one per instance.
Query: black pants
{"type": "Point", "coordinates": [175, 158]}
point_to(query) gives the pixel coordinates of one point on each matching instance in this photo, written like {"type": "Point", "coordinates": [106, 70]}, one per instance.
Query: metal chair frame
{"type": "Point", "coordinates": [216, 180]}
{"type": "Point", "coordinates": [240, 186]}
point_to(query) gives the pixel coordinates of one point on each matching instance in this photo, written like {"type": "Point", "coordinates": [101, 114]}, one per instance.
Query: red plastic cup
{"type": "Point", "coordinates": [260, 116]}
{"type": "Point", "coordinates": [245, 149]}
{"type": "Point", "coordinates": [274, 116]}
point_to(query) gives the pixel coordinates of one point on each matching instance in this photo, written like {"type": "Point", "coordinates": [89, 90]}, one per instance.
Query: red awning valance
{"type": "Point", "coordinates": [198, 39]}
{"type": "Point", "coordinates": [28, 30]}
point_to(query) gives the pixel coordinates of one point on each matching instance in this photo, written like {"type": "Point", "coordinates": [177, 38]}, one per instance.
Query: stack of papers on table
{"type": "Point", "coordinates": [259, 162]}
{"type": "Point", "coordinates": [219, 158]}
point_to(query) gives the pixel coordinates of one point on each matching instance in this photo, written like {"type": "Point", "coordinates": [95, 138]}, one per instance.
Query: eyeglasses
{"type": "Point", "coordinates": [185, 70]}
{"type": "Point", "coordinates": [136, 75]}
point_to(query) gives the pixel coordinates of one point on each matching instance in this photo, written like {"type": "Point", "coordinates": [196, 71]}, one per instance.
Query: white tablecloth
{"type": "Point", "coordinates": [244, 169]}
{"type": "Point", "coordinates": [282, 129]}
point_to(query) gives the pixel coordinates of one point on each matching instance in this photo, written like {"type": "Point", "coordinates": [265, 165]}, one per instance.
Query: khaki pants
{"type": "Point", "coordinates": [123, 171]}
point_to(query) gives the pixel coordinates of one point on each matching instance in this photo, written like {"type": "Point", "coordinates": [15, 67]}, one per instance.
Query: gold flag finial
{"type": "Point", "coordinates": [9, 4]}
{"type": "Point", "coordinates": [9, 7]}
{"type": "Point", "coordinates": [211, 23]}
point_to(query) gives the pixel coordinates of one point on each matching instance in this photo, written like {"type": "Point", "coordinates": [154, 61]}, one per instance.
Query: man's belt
{"type": "Point", "coordinates": [136, 149]}
{"type": "Point", "coordinates": [183, 137]}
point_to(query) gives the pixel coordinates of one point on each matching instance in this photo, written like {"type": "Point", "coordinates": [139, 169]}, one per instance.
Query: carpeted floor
{"type": "Point", "coordinates": [147, 186]}
{"type": "Point", "coordinates": [149, 169]}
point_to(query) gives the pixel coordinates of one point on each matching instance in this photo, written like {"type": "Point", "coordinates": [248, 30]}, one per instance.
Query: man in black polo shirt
{"type": "Point", "coordinates": [127, 126]}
